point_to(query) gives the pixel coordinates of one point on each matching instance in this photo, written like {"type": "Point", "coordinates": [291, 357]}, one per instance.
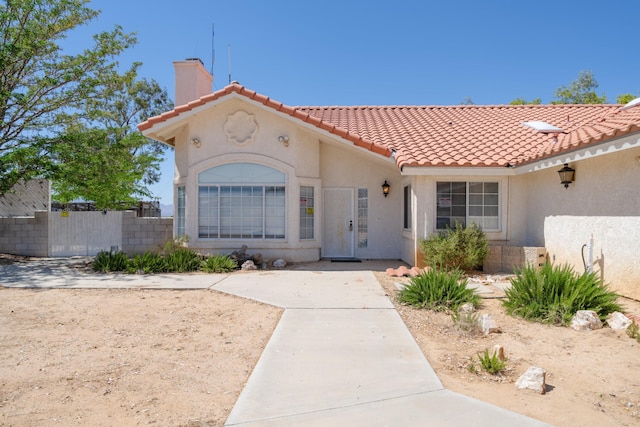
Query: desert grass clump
{"type": "Point", "coordinates": [633, 332]}
{"type": "Point", "coordinates": [438, 290]}
{"type": "Point", "coordinates": [219, 264]}
{"type": "Point", "coordinates": [492, 363]}
{"type": "Point", "coordinates": [147, 263]}
{"type": "Point", "coordinates": [182, 260]}
{"type": "Point", "coordinates": [463, 248]}
{"type": "Point", "coordinates": [108, 262]}
{"type": "Point", "coordinates": [553, 294]}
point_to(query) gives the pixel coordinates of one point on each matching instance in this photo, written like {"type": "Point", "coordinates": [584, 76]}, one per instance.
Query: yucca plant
{"type": "Point", "coordinates": [182, 260]}
{"type": "Point", "coordinates": [219, 264]}
{"type": "Point", "coordinates": [147, 263]}
{"type": "Point", "coordinates": [553, 294]}
{"type": "Point", "coordinates": [438, 290]}
{"type": "Point", "coordinates": [110, 261]}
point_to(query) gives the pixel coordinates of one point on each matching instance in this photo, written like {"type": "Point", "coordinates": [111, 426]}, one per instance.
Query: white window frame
{"type": "Point", "coordinates": [468, 217]}
{"type": "Point", "coordinates": [257, 191]}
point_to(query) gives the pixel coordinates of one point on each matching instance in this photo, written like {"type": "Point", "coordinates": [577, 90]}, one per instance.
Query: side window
{"type": "Point", "coordinates": [406, 207]}
{"type": "Point", "coordinates": [363, 217]}
{"type": "Point", "coordinates": [307, 212]}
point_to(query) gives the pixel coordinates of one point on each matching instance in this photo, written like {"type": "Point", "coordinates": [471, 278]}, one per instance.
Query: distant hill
{"type": "Point", "coordinates": [166, 210]}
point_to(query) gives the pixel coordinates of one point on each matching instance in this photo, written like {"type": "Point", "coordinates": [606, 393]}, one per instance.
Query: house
{"type": "Point", "coordinates": [304, 183]}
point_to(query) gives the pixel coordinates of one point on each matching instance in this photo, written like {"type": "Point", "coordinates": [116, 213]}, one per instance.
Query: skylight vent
{"type": "Point", "coordinates": [542, 127]}
{"type": "Point", "coordinates": [631, 103]}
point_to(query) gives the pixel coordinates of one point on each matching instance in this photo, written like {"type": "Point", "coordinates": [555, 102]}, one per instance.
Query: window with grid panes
{"type": "Point", "coordinates": [241, 201]}
{"type": "Point", "coordinates": [467, 202]}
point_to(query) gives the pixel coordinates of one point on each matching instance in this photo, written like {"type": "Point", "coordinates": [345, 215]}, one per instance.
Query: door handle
{"type": "Point", "coordinates": [350, 225]}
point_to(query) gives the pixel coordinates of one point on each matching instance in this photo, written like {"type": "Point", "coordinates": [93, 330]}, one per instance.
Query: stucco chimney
{"type": "Point", "coordinates": [192, 80]}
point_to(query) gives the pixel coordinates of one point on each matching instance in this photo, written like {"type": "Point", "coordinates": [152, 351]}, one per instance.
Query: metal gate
{"type": "Point", "coordinates": [84, 233]}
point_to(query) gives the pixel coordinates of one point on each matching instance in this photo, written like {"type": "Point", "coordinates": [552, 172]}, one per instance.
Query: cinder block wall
{"type": "Point", "coordinates": [144, 234]}
{"type": "Point", "coordinates": [502, 258]}
{"type": "Point", "coordinates": [28, 236]}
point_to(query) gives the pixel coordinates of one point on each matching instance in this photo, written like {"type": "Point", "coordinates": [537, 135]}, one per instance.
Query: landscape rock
{"type": "Point", "coordinates": [279, 263]}
{"type": "Point", "coordinates": [248, 265]}
{"type": "Point", "coordinates": [586, 320]}
{"type": "Point", "coordinates": [499, 350]}
{"type": "Point", "coordinates": [257, 258]}
{"type": "Point", "coordinates": [400, 285]}
{"type": "Point", "coordinates": [618, 320]}
{"type": "Point", "coordinates": [488, 325]}
{"type": "Point", "coordinates": [534, 379]}
{"type": "Point", "coordinates": [467, 307]}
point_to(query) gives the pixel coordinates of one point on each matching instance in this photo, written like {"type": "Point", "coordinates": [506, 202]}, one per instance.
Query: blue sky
{"type": "Point", "coordinates": [342, 52]}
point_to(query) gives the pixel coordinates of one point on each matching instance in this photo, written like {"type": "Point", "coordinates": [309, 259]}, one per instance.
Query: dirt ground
{"type": "Point", "coordinates": [181, 358]}
{"type": "Point", "coordinates": [593, 378]}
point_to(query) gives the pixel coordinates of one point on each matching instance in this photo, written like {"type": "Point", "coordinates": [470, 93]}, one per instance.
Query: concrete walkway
{"type": "Point", "coordinates": [340, 355]}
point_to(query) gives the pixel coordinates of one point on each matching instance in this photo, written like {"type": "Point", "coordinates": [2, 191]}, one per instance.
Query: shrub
{"type": "Point", "coordinates": [110, 261]}
{"type": "Point", "coordinates": [492, 364]}
{"type": "Point", "coordinates": [147, 263]}
{"type": "Point", "coordinates": [555, 293]}
{"type": "Point", "coordinates": [633, 331]}
{"type": "Point", "coordinates": [438, 290]}
{"type": "Point", "coordinates": [466, 321]}
{"type": "Point", "coordinates": [182, 260]}
{"type": "Point", "coordinates": [456, 248]}
{"type": "Point", "coordinates": [219, 264]}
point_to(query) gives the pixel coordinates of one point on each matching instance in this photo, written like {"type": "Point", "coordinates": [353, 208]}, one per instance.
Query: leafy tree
{"type": "Point", "coordinates": [522, 101]}
{"type": "Point", "coordinates": [467, 101]}
{"type": "Point", "coordinates": [54, 105]}
{"type": "Point", "coordinates": [100, 165]}
{"type": "Point", "coordinates": [580, 91]}
{"type": "Point", "coordinates": [625, 98]}
{"type": "Point", "coordinates": [112, 119]}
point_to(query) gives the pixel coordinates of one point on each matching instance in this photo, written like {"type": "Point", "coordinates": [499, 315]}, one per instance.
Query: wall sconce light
{"type": "Point", "coordinates": [196, 141]}
{"type": "Point", "coordinates": [284, 139]}
{"type": "Point", "coordinates": [385, 188]}
{"type": "Point", "coordinates": [567, 175]}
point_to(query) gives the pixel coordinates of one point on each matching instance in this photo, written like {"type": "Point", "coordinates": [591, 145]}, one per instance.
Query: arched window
{"type": "Point", "coordinates": [241, 201]}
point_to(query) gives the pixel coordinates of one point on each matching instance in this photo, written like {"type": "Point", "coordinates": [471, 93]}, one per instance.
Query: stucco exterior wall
{"type": "Point", "coordinates": [344, 167]}
{"type": "Point", "coordinates": [616, 244]}
{"type": "Point", "coordinates": [602, 201]}
{"type": "Point", "coordinates": [305, 156]}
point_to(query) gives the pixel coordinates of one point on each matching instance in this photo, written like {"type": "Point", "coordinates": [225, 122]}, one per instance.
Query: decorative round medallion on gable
{"type": "Point", "coordinates": [241, 127]}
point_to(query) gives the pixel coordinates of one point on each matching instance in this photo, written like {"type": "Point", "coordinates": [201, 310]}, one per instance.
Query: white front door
{"type": "Point", "coordinates": [338, 223]}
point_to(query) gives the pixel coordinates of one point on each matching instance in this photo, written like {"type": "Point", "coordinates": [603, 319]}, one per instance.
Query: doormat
{"type": "Point", "coordinates": [345, 260]}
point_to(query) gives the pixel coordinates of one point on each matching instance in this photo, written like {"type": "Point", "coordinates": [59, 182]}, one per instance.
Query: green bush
{"type": "Point", "coordinates": [182, 260]}
{"type": "Point", "coordinates": [147, 263]}
{"type": "Point", "coordinates": [555, 293]}
{"type": "Point", "coordinates": [492, 364]}
{"type": "Point", "coordinates": [110, 261]}
{"type": "Point", "coordinates": [456, 248]}
{"type": "Point", "coordinates": [438, 290]}
{"type": "Point", "coordinates": [219, 264]}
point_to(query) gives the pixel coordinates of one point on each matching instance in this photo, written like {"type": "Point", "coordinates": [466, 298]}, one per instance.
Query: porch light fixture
{"type": "Point", "coordinates": [196, 141]}
{"type": "Point", "coordinates": [567, 175]}
{"type": "Point", "coordinates": [385, 188]}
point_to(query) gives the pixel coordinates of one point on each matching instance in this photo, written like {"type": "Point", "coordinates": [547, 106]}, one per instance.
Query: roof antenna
{"type": "Point", "coordinates": [229, 53]}
{"type": "Point", "coordinates": [213, 47]}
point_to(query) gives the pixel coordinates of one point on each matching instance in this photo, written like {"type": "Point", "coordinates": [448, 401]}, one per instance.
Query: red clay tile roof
{"type": "Point", "coordinates": [469, 135]}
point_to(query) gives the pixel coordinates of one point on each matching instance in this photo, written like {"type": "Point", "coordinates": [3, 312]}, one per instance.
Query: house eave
{"type": "Point", "coordinates": [595, 150]}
